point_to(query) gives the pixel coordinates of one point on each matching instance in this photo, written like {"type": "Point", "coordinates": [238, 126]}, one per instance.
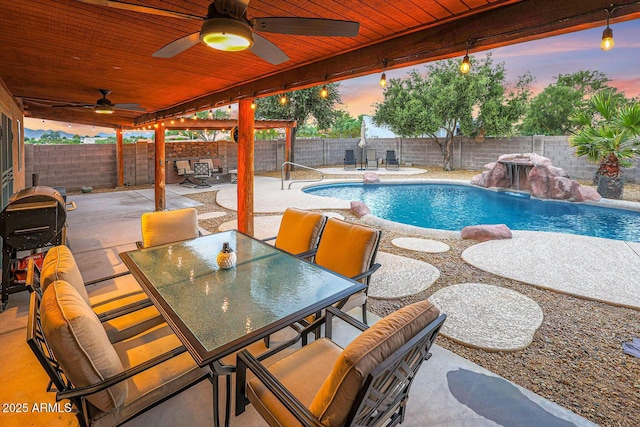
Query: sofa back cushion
{"type": "Point", "coordinates": [80, 344]}
{"type": "Point", "coordinates": [59, 264]}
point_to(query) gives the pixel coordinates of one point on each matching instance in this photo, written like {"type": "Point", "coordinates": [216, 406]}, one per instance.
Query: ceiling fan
{"type": "Point", "coordinates": [226, 27]}
{"type": "Point", "coordinates": [101, 106]}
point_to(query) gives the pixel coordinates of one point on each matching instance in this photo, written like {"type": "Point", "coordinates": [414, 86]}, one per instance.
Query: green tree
{"type": "Point", "coordinates": [303, 106]}
{"type": "Point", "coordinates": [610, 137]}
{"type": "Point", "coordinates": [346, 126]}
{"type": "Point", "coordinates": [550, 112]}
{"type": "Point", "coordinates": [474, 104]}
{"type": "Point", "coordinates": [211, 134]}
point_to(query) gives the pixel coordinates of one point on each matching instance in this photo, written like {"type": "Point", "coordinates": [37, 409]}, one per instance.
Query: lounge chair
{"type": "Point", "coordinates": [372, 161]}
{"type": "Point", "coordinates": [201, 173]}
{"type": "Point", "coordinates": [366, 384]}
{"type": "Point", "coordinates": [349, 159]}
{"type": "Point", "coordinates": [183, 167]}
{"type": "Point", "coordinates": [391, 161]}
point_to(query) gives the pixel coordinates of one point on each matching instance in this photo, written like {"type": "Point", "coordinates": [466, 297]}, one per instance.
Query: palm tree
{"type": "Point", "coordinates": [611, 138]}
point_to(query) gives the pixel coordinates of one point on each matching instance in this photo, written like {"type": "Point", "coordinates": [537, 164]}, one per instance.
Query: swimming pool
{"type": "Point", "coordinates": [452, 207]}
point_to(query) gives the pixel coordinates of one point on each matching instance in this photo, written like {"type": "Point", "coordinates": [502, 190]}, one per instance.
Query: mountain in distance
{"type": "Point", "coordinates": [30, 133]}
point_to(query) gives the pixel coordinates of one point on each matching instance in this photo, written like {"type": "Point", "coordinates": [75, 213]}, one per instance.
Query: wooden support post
{"type": "Point", "coordinates": [160, 194]}
{"type": "Point", "coordinates": [287, 153]}
{"type": "Point", "coordinates": [120, 157]}
{"type": "Point", "coordinates": [245, 166]}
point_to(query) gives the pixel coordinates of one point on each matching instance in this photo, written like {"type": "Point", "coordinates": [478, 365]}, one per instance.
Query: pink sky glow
{"type": "Point", "coordinates": [544, 59]}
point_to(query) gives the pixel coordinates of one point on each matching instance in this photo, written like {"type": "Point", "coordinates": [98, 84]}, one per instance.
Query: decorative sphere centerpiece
{"type": "Point", "coordinates": [226, 258]}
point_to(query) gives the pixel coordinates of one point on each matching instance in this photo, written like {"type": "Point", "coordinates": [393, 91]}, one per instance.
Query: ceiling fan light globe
{"type": "Point", "coordinates": [103, 109]}
{"type": "Point", "coordinates": [226, 34]}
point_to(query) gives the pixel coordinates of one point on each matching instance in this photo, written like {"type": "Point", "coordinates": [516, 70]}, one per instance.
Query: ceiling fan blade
{"type": "Point", "coordinates": [73, 106]}
{"type": "Point", "coordinates": [177, 46]}
{"type": "Point", "coordinates": [267, 50]}
{"type": "Point", "coordinates": [306, 26]}
{"type": "Point", "coordinates": [130, 107]}
{"type": "Point", "coordinates": [117, 4]}
{"type": "Point", "coordinates": [235, 8]}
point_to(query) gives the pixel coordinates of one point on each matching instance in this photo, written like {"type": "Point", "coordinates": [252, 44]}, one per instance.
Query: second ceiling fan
{"type": "Point", "coordinates": [226, 27]}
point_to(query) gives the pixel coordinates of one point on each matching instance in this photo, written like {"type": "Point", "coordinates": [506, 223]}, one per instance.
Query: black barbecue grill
{"type": "Point", "coordinates": [34, 218]}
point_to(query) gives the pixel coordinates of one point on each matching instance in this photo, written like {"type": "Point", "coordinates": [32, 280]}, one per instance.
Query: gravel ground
{"type": "Point", "coordinates": [576, 357]}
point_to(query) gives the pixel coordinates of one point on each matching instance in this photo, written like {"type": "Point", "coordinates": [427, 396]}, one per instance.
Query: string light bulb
{"type": "Point", "coordinates": [229, 109]}
{"type": "Point", "coordinates": [607, 42]}
{"type": "Point", "coordinates": [181, 119]}
{"type": "Point", "coordinates": [383, 80]}
{"type": "Point", "coordinates": [210, 114]}
{"type": "Point", "coordinates": [324, 92]}
{"type": "Point", "coordinates": [383, 77]}
{"type": "Point", "coordinates": [283, 99]}
{"type": "Point", "coordinates": [253, 105]}
{"type": "Point", "coordinates": [465, 65]}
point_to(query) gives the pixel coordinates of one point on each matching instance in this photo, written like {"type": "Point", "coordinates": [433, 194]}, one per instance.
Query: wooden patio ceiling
{"type": "Point", "coordinates": [63, 51]}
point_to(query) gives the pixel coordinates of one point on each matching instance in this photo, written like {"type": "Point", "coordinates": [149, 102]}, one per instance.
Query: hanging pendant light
{"type": "Point", "coordinates": [465, 65]}
{"type": "Point", "coordinates": [607, 42]}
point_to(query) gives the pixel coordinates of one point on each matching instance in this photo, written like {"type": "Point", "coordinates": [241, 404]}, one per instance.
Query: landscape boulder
{"type": "Point", "coordinates": [371, 178]}
{"type": "Point", "coordinates": [485, 232]}
{"type": "Point", "coordinates": [534, 173]}
{"type": "Point", "coordinates": [359, 208]}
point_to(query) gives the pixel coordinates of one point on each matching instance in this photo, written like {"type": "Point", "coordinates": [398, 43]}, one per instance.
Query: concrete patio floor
{"type": "Point", "coordinates": [448, 391]}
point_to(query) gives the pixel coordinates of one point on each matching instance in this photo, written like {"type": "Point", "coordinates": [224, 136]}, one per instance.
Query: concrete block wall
{"type": "Point", "coordinates": [74, 166]}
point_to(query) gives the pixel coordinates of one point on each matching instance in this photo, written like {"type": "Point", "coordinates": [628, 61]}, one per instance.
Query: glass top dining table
{"type": "Point", "coordinates": [215, 312]}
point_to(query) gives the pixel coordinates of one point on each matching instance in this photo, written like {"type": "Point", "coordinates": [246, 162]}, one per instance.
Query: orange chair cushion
{"type": "Point", "coordinates": [60, 264]}
{"type": "Point", "coordinates": [80, 343]}
{"type": "Point", "coordinates": [338, 392]}
{"type": "Point", "coordinates": [347, 248]}
{"type": "Point", "coordinates": [299, 230]}
{"type": "Point", "coordinates": [159, 228]}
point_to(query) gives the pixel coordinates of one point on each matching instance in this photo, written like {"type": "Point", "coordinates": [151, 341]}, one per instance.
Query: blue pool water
{"type": "Point", "coordinates": [452, 207]}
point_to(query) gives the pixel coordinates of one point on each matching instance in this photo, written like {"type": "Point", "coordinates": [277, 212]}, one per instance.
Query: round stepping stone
{"type": "Point", "coordinates": [488, 317]}
{"type": "Point", "coordinates": [401, 276]}
{"type": "Point", "coordinates": [210, 215]}
{"type": "Point", "coordinates": [263, 226]}
{"type": "Point", "coordinates": [420, 245]}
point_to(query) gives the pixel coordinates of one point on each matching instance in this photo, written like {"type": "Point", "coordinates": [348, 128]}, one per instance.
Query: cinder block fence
{"type": "Point", "coordinates": [75, 166]}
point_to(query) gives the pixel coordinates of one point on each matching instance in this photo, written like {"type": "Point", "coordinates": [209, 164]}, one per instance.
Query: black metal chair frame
{"type": "Point", "coordinates": [391, 161]}
{"type": "Point", "coordinates": [186, 174]}
{"type": "Point", "coordinates": [62, 386]}
{"type": "Point", "coordinates": [383, 395]}
{"type": "Point", "coordinates": [201, 173]}
{"type": "Point", "coordinates": [349, 160]}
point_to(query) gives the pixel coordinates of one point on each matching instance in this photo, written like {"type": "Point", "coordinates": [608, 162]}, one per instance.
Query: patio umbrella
{"type": "Point", "coordinates": [363, 141]}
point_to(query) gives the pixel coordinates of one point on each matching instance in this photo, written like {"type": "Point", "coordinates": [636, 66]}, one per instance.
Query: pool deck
{"type": "Point", "coordinates": [441, 385]}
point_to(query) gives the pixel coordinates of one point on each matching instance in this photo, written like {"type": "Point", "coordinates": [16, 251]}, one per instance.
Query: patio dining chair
{"type": "Point", "coordinates": [201, 173]}
{"type": "Point", "coordinates": [366, 384]}
{"type": "Point", "coordinates": [108, 383]}
{"type": "Point", "coordinates": [391, 161]}
{"type": "Point", "coordinates": [161, 227]}
{"type": "Point", "coordinates": [350, 249]}
{"type": "Point", "coordinates": [299, 231]}
{"type": "Point", "coordinates": [183, 167]}
{"type": "Point", "coordinates": [349, 159]}
{"type": "Point", "coordinates": [371, 159]}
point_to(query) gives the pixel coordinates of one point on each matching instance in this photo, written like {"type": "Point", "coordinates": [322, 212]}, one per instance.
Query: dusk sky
{"type": "Point", "coordinates": [543, 58]}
